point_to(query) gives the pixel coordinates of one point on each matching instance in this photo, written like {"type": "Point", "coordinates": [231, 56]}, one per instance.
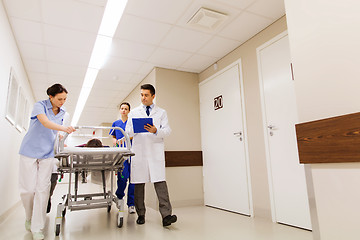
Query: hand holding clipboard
{"type": "Point", "coordinates": [143, 125]}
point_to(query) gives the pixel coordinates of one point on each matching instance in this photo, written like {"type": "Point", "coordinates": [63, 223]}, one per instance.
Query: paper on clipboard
{"type": "Point", "coordinates": [139, 123]}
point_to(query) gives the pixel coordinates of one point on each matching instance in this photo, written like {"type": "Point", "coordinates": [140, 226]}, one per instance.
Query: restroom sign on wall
{"type": "Point", "coordinates": [218, 102]}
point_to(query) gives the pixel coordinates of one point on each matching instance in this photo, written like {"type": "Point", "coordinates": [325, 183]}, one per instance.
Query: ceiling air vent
{"type": "Point", "coordinates": [207, 19]}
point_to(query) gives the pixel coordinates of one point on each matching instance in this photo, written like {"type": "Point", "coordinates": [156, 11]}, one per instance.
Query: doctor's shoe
{"type": "Point", "coordinates": [28, 225]}
{"type": "Point", "coordinates": [141, 219]}
{"type": "Point", "coordinates": [38, 236]}
{"type": "Point", "coordinates": [169, 219]}
{"type": "Point", "coordinates": [132, 209]}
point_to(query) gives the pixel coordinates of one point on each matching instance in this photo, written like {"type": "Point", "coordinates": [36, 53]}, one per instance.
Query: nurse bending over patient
{"type": "Point", "coordinates": [37, 157]}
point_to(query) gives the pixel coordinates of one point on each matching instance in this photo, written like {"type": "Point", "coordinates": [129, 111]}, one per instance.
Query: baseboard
{"type": "Point", "coordinates": [8, 212]}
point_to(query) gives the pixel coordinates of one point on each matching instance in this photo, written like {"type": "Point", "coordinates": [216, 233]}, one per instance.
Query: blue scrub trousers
{"type": "Point", "coordinates": [122, 182]}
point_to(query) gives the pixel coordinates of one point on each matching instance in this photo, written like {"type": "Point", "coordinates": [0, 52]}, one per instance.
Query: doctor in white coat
{"type": "Point", "coordinates": [148, 164]}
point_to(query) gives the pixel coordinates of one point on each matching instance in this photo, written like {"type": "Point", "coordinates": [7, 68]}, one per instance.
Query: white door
{"type": "Point", "coordinates": [226, 181]}
{"type": "Point", "coordinates": [286, 174]}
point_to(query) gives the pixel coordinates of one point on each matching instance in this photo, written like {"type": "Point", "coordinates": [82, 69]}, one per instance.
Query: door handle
{"type": "Point", "coordinates": [239, 135]}
{"type": "Point", "coordinates": [272, 127]}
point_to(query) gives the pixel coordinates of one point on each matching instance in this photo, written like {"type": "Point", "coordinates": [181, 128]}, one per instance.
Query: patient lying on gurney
{"type": "Point", "coordinates": [94, 143]}
{"type": "Point", "coordinates": [95, 175]}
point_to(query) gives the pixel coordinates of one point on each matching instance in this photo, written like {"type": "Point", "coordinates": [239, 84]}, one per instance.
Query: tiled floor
{"type": "Point", "coordinates": [194, 223]}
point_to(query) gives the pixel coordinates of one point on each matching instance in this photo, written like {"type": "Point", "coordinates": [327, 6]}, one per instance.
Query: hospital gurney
{"type": "Point", "coordinates": [74, 160]}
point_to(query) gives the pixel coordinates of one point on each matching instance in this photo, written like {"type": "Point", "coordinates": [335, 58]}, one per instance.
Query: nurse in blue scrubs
{"type": "Point", "coordinates": [122, 178]}
{"type": "Point", "coordinates": [37, 157]}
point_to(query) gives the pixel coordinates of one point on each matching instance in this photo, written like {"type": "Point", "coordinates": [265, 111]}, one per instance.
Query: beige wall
{"type": "Point", "coordinates": [324, 42]}
{"type": "Point", "coordinates": [258, 168]}
{"type": "Point", "coordinates": [178, 93]}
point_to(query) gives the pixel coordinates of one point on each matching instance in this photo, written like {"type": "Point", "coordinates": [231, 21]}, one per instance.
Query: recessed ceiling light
{"type": "Point", "coordinates": [207, 19]}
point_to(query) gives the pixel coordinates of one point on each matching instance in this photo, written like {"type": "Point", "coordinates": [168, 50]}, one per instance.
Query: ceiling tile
{"type": "Point", "coordinates": [66, 69]}
{"type": "Point", "coordinates": [65, 56]}
{"type": "Point", "coordinates": [167, 57]}
{"type": "Point", "coordinates": [245, 27]}
{"type": "Point", "coordinates": [121, 64]}
{"type": "Point", "coordinates": [110, 85]}
{"type": "Point", "coordinates": [27, 31]}
{"type": "Point", "coordinates": [29, 10]}
{"type": "Point", "coordinates": [36, 66]}
{"type": "Point", "coordinates": [100, 98]}
{"type": "Point", "coordinates": [73, 14]}
{"type": "Point", "coordinates": [32, 50]}
{"type": "Point", "coordinates": [68, 38]}
{"type": "Point", "coordinates": [273, 9]}
{"type": "Point", "coordinates": [66, 80]}
{"type": "Point", "coordinates": [37, 77]}
{"type": "Point", "coordinates": [113, 75]}
{"type": "Point", "coordinates": [141, 30]}
{"type": "Point", "coordinates": [131, 50]}
{"type": "Point", "coordinates": [185, 40]}
{"type": "Point", "coordinates": [199, 62]}
{"type": "Point", "coordinates": [218, 47]}
{"type": "Point", "coordinates": [160, 10]}
{"type": "Point", "coordinates": [100, 3]}
{"type": "Point", "coordinates": [146, 68]}
{"type": "Point", "coordinates": [240, 4]}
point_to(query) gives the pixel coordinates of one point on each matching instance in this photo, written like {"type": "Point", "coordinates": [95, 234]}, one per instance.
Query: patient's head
{"type": "Point", "coordinates": [94, 143]}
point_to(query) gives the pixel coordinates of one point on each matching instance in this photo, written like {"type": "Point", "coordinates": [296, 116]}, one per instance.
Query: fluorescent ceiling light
{"type": "Point", "coordinates": [113, 11]}
{"type": "Point", "coordinates": [89, 80]}
{"type": "Point", "coordinates": [100, 51]}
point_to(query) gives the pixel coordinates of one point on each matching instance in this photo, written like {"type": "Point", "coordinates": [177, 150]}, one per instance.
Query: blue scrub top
{"type": "Point", "coordinates": [117, 133]}
{"type": "Point", "coordinates": [39, 141]}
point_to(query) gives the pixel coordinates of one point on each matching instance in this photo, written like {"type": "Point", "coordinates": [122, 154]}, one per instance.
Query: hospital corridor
{"type": "Point", "coordinates": [179, 119]}
{"type": "Point", "coordinates": [196, 222]}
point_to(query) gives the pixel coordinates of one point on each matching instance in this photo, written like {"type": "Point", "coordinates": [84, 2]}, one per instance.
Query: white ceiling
{"type": "Point", "coordinates": [56, 37]}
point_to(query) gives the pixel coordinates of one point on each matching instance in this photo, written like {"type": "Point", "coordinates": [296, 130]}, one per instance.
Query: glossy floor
{"type": "Point", "coordinates": [194, 223]}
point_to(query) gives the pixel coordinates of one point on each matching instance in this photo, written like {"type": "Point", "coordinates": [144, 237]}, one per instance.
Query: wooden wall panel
{"type": "Point", "coordinates": [183, 158]}
{"type": "Point", "coordinates": [331, 140]}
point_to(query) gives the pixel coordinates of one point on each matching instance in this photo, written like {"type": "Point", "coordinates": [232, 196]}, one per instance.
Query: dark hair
{"type": "Point", "coordinates": [148, 87]}
{"type": "Point", "coordinates": [55, 89]}
{"type": "Point", "coordinates": [94, 143]}
{"type": "Point", "coordinates": [125, 103]}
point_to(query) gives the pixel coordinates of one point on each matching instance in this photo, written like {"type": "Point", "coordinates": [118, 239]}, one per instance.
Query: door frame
{"type": "Point", "coordinates": [243, 115]}
{"type": "Point", "coordinates": [265, 129]}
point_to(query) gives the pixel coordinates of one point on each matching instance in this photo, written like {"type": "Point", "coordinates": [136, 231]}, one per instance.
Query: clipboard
{"type": "Point", "coordinates": [139, 123]}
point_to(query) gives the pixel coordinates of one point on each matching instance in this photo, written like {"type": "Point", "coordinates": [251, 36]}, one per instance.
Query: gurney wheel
{"type": "Point", "coordinates": [120, 221]}
{"type": "Point", "coordinates": [109, 208]}
{"type": "Point", "coordinates": [57, 230]}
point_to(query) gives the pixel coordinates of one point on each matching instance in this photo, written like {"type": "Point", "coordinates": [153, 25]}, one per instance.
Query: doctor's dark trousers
{"type": "Point", "coordinates": [162, 194]}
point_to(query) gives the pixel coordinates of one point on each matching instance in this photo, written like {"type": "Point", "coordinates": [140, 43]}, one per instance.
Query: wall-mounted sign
{"type": "Point", "coordinates": [218, 102]}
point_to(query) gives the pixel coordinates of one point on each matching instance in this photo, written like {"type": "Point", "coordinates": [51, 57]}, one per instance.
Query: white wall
{"type": "Point", "coordinates": [324, 41]}
{"type": "Point", "coordinates": [10, 137]}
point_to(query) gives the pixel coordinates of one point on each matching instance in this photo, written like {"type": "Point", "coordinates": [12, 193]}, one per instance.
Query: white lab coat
{"type": "Point", "coordinates": [148, 164]}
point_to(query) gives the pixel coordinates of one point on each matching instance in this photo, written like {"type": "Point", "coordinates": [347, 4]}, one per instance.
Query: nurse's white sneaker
{"type": "Point", "coordinates": [28, 225]}
{"type": "Point", "coordinates": [120, 204]}
{"type": "Point", "coordinates": [132, 209]}
{"type": "Point", "coordinates": [38, 236]}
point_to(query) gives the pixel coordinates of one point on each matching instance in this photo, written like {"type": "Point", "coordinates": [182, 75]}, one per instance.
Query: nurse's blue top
{"type": "Point", "coordinates": [39, 140]}
{"type": "Point", "coordinates": [117, 133]}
